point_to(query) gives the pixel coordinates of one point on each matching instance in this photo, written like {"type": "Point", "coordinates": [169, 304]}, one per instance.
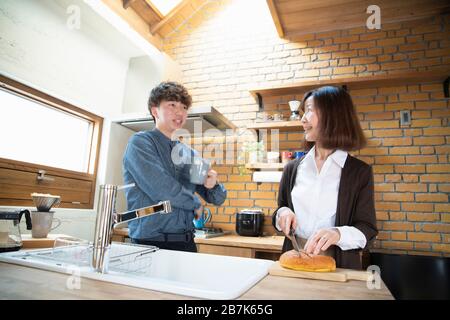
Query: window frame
{"type": "Point", "coordinates": [16, 175]}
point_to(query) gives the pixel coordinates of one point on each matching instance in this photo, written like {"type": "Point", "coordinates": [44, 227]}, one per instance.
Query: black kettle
{"type": "Point", "coordinates": [10, 238]}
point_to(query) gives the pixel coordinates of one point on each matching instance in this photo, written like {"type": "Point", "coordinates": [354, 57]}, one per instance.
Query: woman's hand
{"type": "Point", "coordinates": [287, 219]}
{"type": "Point", "coordinates": [322, 240]}
{"type": "Point", "coordinates": [211, 180]}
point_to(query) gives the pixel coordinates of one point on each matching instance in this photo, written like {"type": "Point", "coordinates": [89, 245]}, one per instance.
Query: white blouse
{"type": "Point", "coordinates": [314, 198]}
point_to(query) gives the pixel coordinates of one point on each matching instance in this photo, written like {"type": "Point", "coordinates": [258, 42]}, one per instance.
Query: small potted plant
{"type": "Point", "coordinates": [250, 152]}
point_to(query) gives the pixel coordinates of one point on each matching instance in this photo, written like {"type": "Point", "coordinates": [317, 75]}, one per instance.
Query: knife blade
{"type": "Point", "coordinates": [295, 244]}
{"type": "Point", "coordinates": [294, 240]}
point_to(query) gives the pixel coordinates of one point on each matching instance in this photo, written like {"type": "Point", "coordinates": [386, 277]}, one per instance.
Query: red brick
{"type": "Point", "coordinates": [423, 217]}
{"type": "Point", "coordinates": [398, 197]}
{"type": "Point", "coordinates": [435, 168]}
{"type": "Point", "coordinates": [431, 104]}
{"type": "Point", "coordinates": [444, 188]}
{"type": "Point", "coordinates": [397, 245]}
{"type": "Point", "coordinates": [241, 203]}
{"type": "Point", "coordinates": [404, 150]}
{"type": "Point", "coordinates": [442, 207]}
{"type": "Point", "coordinates": [393, 178]}
{"type": "Point", "coordinates": [383, 206]}
{"type": "Point", "coordinates": [387, 133]}
{"type": "Point", "coordinates": [389, 159]}
{"type": "Point", "coordinates": [374, 151]}
{"type": "Point", "coordinates": [421, 159]}
{"type": "Point", "coordinates": [383, 235]}
{"type": "Point", "coordinates": [412, 187]}
{"type": "Point", "coordinates": [410, 178]}
{"type": "Point", "coordinates": [407, 141]}
{"type": "Point", "coordinates": [263, 195]}
{"type": "Point", "coordinates": [442, 131]}
{"type": "Point", "coordinates": [431, 197]}
{"type": "Point", "coordinates": [395, 216]}
{"type": "Point", "coordinates": [414, 206]}
{"type": "Point", "coordinates": [429, 141]}
{"type": "Point", "coordinates": [435, 178]}
{"type": "Point", "coordinates": [384, 187]}
{"type": "Point", "coordinates": [441, 247]}
{"type": "Point", "coordinates": [414, 96]}
{"type": "Point", "coordinates": [390, 42]}
{"type": "Point", "coordinates": [425, 123]}
{"type": "Point", "coordinates": [424, 236]}
{"type": "Point", "coordinates": [398, 236]}
{"type": "Point", "coordinates": [266, 203]}
{"type": "Point", "coordinates": [382, 169]}
{"type": "Point", "coordinates": [382, 215]}
{"type": "Point", "coordinates": [395, 65]}
{"type": "Point", "coordinates": [435, 227]}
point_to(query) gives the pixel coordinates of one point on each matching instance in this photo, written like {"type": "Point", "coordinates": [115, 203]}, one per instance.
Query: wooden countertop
{"type": "Point", "coordinates": [19, 282]}
{"type": "Point", "coordinates": [232, 240]}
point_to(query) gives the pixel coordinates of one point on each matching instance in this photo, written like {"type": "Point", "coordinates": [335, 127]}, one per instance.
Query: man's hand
{"type": "Point", "coordinates": [211, 180]}
{"type": "Point", "coordinates": [322, 240]}
{"type": "Point", "coordinates": [287, 219]}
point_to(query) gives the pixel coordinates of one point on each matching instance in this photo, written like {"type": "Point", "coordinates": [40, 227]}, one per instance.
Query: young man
{"type": "Point", "coordinates": [152, 163]}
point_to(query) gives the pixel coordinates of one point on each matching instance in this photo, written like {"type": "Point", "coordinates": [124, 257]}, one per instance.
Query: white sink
{"type": "Point", "coordinates": [185, 273]}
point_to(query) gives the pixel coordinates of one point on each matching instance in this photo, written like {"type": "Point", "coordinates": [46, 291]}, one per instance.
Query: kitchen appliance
{"type": "Point", "coordinates": [10, 238]}
{"type": "Point", "coordinates": [249, 222]}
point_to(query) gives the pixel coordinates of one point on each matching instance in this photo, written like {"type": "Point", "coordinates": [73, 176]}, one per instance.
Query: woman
{"type": "Point", "coordinates": [327, 195]}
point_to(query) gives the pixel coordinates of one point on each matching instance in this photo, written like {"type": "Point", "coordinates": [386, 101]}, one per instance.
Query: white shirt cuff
{"type": "Point", "coordinates": [277, 219]}
{"type": "Point", "coordinates": [351, 238]}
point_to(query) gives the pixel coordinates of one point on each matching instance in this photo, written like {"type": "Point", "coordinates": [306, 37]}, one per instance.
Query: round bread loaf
{"type": "Point", "coordinates": [302, 262]}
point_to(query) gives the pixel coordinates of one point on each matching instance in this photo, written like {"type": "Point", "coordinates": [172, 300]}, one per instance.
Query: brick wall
{"type": "Point", "coordinates": [228, 47]}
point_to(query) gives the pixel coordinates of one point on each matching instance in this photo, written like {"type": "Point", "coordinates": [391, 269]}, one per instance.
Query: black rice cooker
{"type": "Point", "coordinates": [249, 223]}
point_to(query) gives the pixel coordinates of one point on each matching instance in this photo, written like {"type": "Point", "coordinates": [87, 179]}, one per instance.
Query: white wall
{"type": "Point", "coordinates": [86, 67]}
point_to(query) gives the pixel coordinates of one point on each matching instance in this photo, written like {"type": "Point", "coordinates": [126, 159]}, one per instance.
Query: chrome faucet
{"type": "Point", "coordinates": [107, 220]}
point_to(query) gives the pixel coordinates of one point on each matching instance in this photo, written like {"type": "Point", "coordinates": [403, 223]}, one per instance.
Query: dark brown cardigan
{"type": "Point", "coordinates": [355, 205]}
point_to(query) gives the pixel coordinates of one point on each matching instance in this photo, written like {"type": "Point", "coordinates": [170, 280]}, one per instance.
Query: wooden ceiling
{"type": "Point", "coordinates": [298, 17]}
{"type": "Point", "coordinates": [159, 24]}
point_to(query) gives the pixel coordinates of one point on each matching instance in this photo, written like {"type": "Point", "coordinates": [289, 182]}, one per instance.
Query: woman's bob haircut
{"type": "Point", "coordinates": [339, 126]}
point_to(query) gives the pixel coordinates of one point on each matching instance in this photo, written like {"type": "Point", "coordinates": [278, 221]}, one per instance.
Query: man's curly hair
{"type": "Point", "coordinates": [169, 91]}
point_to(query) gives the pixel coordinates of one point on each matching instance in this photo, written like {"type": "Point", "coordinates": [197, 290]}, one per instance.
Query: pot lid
{"type": "Point", "coordinates": [251, 211]}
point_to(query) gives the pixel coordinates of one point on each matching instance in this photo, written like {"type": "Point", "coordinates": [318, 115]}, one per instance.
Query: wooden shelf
{"type": "Point", "coordinates": [385, 80]}
{"type": "Point", "coordinates": [273, 166]}
{"type": "Point", "coordinates": [281, 125]}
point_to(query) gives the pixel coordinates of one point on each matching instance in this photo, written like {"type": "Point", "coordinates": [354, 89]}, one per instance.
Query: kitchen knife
{"type": "Point", "coordinates": [293, 238]}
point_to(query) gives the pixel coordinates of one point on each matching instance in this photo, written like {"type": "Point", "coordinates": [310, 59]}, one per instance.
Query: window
{"type": "Point", "coordinates": [165, 6]}
{"type": "Point", "coordinates": [47, 146]}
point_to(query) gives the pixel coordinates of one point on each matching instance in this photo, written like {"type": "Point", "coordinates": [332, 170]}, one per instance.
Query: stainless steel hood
{"type": "Point", "coordinates": [207, 117]}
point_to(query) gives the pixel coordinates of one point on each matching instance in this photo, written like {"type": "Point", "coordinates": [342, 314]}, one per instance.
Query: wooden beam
{"type": "Point", "coordinates": [169, 16]}
{"type": "Point", "coordinates": [155, 9]}
{"type": "Point", "coordinates": [127, 3]}
{"type": "Point", "coordinates": [275, 17]}
{"type": "Point", "coordinates": [135, 22]}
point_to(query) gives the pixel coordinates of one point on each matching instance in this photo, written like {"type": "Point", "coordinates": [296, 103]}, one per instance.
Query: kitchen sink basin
{"type": "Point", "coordinates": [192, 274]}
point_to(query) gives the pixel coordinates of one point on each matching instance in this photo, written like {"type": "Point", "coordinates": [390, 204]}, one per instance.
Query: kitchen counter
{"type": "Point", "coordinates": [19, 282]}
{"type": "Point", "coordinates": [268, 247]}
{"type": "Point", "coordinates": [250, 247]}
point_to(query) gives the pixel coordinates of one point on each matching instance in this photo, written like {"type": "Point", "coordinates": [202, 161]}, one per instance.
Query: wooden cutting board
{"type": "Point", "coordinates": [340, 275]}
{"type": "Point", "coordinates": [33, 243]}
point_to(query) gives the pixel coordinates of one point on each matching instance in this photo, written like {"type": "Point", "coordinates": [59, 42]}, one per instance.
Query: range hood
{"type": "Point", "coordinates": [206, 116]}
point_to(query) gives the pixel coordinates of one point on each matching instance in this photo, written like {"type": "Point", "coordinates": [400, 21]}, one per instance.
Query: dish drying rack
{"type": "Point", "coordinates": [124, 258]}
